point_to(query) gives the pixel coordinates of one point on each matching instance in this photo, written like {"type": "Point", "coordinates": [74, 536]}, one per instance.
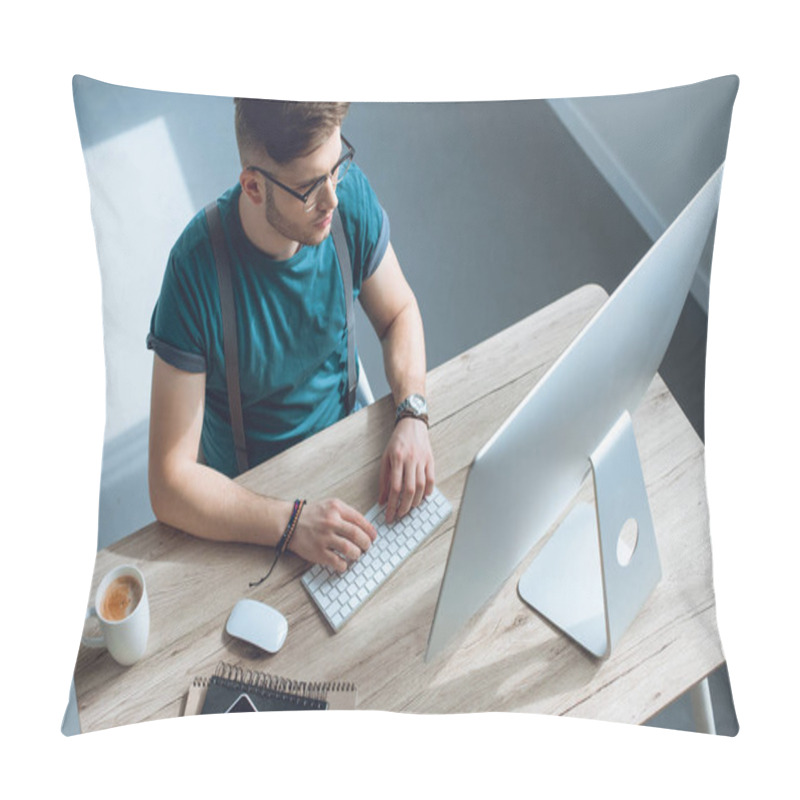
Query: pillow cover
{"type": "Point", "coordinates": [498, 210]}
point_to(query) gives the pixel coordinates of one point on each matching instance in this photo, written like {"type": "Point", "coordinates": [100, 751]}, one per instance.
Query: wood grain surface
{"type": "Point", "coordinates": [508, 658]}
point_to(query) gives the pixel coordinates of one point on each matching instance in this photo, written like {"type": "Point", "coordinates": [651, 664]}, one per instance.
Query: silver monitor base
{"type": "Point", "coordinates": [601, 564]}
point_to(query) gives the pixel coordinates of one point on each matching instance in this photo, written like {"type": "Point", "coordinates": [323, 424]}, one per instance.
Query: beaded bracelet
{"type": "Point", "coordinates": [283, 543]}
{"type": "Point", "coordinates": [298, 507]}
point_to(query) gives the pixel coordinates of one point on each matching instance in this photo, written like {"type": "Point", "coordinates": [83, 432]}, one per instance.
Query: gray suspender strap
{"type": "Point", "coordinates": [230, 339]}
{"type": "Point", "coordinates": [347, 280]}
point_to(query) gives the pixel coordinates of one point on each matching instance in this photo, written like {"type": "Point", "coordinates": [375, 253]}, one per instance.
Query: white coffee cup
{"type": "Point", "coordinates": [123, 614]}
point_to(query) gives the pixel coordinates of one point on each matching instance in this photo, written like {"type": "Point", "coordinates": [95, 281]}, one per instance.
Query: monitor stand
{"type": "Point", "coordinates": [600, 565]}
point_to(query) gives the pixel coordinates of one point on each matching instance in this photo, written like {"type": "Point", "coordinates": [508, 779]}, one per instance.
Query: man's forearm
{"type": "Point", "coordinates": [208, 504]}
{"type": "Point", "coordinates": [404, 353]}
{"type": "Point", "coordinates": [407, 471]}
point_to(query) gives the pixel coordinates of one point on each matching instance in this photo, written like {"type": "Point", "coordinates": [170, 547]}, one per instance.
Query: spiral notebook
{"type": "Point", "coordinates": [234, 688]}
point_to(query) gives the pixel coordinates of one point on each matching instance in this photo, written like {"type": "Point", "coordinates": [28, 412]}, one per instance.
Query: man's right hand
{"type": "Point", "coordinates": [329, 530]}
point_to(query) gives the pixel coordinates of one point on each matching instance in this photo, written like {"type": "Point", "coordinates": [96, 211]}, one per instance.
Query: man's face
{"type": "Point", "coordinates": [285, 213]}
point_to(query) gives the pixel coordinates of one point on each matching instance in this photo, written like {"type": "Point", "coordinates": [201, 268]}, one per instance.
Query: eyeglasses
{"type": "Point", "coordinates": [336, 176]}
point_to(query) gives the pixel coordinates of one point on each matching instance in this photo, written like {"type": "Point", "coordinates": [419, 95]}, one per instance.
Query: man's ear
{"type": "Point", "coordinates": [251, 186]}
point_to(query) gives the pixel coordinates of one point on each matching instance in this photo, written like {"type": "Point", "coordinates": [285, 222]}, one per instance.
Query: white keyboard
{"type": "Point", "coordinates": [340, 596]}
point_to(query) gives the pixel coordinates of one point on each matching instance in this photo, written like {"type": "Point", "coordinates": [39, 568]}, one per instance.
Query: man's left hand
{"type": "Point", "coordinates": [406, 468]}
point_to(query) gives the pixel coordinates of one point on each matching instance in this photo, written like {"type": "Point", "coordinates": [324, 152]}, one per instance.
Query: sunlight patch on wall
{"type": "Point", "coordinates": [140, 204]}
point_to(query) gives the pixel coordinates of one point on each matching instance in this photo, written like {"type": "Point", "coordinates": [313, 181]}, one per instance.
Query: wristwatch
{"type": "Point", "coordinates": [413, 406]}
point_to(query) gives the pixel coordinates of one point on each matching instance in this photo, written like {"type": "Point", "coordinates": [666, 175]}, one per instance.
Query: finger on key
{"type": "Point", "coordinates": [356, 535]}
{"type": "Point", "coordinates": [345, 548]}
{"type": "Point", "coordinates": [420, 487]}
{"type": "Point", "coordinates": [351, 516]}
{"type": "Point", "coordinates": [430, 478]}
{"type": "Point", "coordinates": [395, 490]}
{"type": "Point", "coordinates": [335, 561]}
{"type": "Point", "coordinates": [383, 480]}
{"type": "Point", "coordinates": [409, 491]}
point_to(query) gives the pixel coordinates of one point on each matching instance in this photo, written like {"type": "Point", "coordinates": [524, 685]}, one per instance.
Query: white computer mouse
{"type": "Point", "coordinates": [258, 624]}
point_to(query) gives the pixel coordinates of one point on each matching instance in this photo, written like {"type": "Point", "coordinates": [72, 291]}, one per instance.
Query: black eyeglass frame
{"type": "Point", "coordinates": [348, 156]}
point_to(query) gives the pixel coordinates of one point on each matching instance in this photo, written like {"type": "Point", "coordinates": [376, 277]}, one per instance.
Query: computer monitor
{"type": "Point", "coordinates": [576, 420]}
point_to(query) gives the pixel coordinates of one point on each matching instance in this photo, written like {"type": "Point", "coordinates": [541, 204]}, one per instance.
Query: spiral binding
{"type": "Point", "coordinates": [245, 678]}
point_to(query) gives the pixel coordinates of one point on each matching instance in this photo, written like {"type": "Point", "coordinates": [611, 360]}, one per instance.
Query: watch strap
{"type": "Point", "coordinates": [412, 415]}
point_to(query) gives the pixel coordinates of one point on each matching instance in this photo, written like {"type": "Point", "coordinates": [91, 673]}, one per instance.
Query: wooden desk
{"type": "Point", "coordinates": [508, 658]}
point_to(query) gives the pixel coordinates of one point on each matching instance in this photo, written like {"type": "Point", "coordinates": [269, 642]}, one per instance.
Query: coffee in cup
{"type": "Point", "coordinates": [123, 612]}
{"type": "Point", "coordinates": [121, 598]}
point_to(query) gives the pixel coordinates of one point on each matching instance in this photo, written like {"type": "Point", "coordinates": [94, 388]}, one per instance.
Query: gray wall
{"type": "Point", "coordinates": [656, 149]}
{"type": "Point", "coordinates": [496, 210]}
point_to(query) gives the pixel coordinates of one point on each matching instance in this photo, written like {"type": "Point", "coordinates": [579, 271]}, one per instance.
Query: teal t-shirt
{"type": "Point", "coordinates": [291, 323]}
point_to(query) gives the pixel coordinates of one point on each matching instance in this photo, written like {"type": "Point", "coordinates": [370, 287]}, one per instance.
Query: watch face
{"type": "Point", "coordinates": [417, 402]}
{"type": "Point", "coordinates": [414, 403]}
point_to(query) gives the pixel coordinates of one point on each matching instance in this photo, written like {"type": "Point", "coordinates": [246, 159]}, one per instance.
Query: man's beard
{"type": "Point", "coordinates": [304, 234]}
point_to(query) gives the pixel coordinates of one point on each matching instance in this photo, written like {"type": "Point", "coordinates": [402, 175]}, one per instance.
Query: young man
{"type": "Point", "coordinates": [296, 169]}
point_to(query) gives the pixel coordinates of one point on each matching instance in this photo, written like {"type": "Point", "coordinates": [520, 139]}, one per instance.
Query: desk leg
{"type": "Point", "coordinates": [702, 710]}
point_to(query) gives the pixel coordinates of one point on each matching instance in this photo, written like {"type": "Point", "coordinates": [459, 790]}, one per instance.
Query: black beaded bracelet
{"type": "Point", "coordinates": [283, 543]}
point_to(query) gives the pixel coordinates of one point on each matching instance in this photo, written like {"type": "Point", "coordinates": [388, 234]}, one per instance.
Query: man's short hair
{"type": "Point", "coordinates": [284, 129]}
